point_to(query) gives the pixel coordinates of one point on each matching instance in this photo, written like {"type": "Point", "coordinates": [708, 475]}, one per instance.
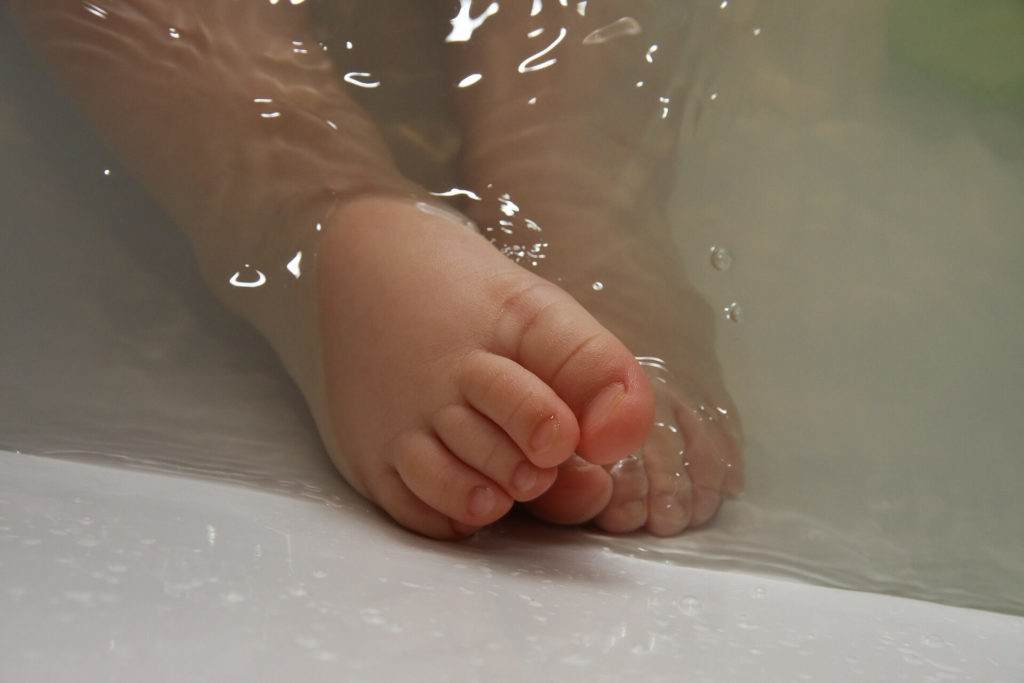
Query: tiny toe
{"type": "Point", "coordinates": [705, 463]}
{"type": "Point", "coordinates": [587, 366]}
{"type": "Point", "coordinates": [481, 445]}
{"type": "Point", "coordinates": [579, 493]}
{"type": "Point", "coordinates": [520, 403]}
{"type": "Point", "coordinates": [731, 444]}
{"type": "Point", "coordinates": [721, 422]}
{"type": "Point", "coordinates": [670, 496]}
{"type": "Point", "coordinates": [627, 509]}
{"type": "Point", "coordinates": [408, 510]}
{"type": "Point", "coordinates": [446, 484]}
{"type": "Point", "coordinates": [706, 502]}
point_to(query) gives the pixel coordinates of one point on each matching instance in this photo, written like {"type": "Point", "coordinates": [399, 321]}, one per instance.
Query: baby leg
{"type": "Point", "coordinates": [446, 381]}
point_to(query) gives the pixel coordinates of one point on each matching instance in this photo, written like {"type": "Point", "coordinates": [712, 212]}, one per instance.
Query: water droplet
{"type": "Point", "coordinates": [734, 313]}
{"type": "Point", "coordinates": [933, 640]}
{"type": "Point", "coordinates": [759, 592]}
{"type": "Point", "coordinates": [507, 206]}
{"type": "Point", "coordinates": [598, 286]}
{"type": "Point", "coordinates": [363, 79]}
{"type": "Point", "coordinates": [469, 80]}
{"type": "Point", "coordinates": [95, 10]}
{"type": "Point", "coordinates": [248, 277]}
{"type": "Point", "coordinates": [295, 265]}
{"type": "Point", "coordinates": [464, 24]}
{"type": "Point", "coordinates": [173, 33]}
{"type": "Point", "coordinates": [721, 258]}
{"type": "Point", "coordinates": [691, 606]}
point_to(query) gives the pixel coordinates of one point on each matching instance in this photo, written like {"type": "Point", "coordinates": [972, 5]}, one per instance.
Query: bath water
{"type": "Point", "coordinates": [865, 216]}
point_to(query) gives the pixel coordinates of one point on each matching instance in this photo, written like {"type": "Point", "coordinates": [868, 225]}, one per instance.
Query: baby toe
{"type": "Point", "coordinates": [481, 445]}
{"type": "Point", "coordinates": [627, 509]}
{"type": "Point", "coordinates": [578, 494]}
{"type": "Point", "coordinates": [670, 496]}
{"type": "Point", "coordinates": [706, 464]}
{"type": "Point", "coordinates": [445, 483]}
{"type": "Point", "coordinates": [552, 336]}
{"type": "Point", "coordinates": [391, 493]}
{"type": "Point", "coordinates": [730, 443]}
{"type": "Point", "coordinates": [529, 411]}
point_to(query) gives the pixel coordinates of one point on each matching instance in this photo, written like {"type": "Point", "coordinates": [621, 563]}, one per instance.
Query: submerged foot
{"type": "Point", "coordinates": [693, 456]}
{"type": "Point", "coordinates": [570, 167]}
{"type": "Point", "coordinates": [628, 275]}
{"type": "Point", "coordinates": [456, 381]}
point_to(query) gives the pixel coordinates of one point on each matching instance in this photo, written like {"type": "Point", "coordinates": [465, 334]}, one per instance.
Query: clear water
{"type": "Point", "coordinates": [872, 220]}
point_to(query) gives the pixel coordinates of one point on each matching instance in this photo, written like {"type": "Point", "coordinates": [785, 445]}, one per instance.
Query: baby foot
{"type": "Point", "coordinates": [693, 455]}
{"type": "Point", "coordinates": [618, 267]}
{"type": "Point", "coordinates": [567, 167]}
{"type": "Point", "coordinates": [456, 382]}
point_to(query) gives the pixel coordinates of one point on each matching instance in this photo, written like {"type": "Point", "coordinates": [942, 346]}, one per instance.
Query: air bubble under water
{"type": "Point", "coordinates": [734, 313]}
{"type": "Point", "coordinates": [721, 258]}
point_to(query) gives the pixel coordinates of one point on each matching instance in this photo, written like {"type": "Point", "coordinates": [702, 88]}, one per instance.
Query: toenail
{"type": "Point", "coordinates": [525, 478]}
{"type": "Point", "coordinates": [606, 402]}
{"type": "Point", "coordinates": [481, 501]}
{"type": "Point", "coordinates": [544, 435]}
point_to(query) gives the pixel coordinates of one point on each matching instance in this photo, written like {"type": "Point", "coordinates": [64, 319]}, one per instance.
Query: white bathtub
{"type": "Point", "coordinates": [113, 575]}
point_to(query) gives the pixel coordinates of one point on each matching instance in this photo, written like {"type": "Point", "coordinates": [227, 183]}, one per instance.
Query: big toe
{"type": "Point", "coordinates": [548, 332]}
